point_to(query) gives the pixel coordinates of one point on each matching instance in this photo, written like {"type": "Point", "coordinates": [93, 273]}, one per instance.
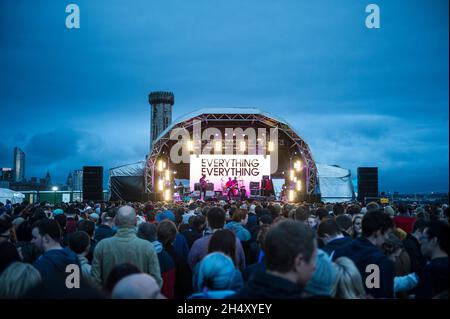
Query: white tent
{"type": "Point", "coordinates": [335, 183]}
{"type": "Point", "coordinates": [13, 196]}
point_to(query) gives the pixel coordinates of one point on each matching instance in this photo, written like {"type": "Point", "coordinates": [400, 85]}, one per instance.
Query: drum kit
{"type": "Point", "coordinates": [235, 188]}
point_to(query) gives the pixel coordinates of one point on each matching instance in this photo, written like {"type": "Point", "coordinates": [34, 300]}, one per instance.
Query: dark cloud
{"type": "Point", "coordinates": [357, 96]}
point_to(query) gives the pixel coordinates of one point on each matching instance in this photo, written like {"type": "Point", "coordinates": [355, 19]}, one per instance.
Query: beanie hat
{"type": "Point", "coordinates": [324, 277]}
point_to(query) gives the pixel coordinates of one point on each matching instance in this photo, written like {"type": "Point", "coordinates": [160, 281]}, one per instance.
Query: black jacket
{"type": "Point", "coordinates": [266, 286]}
{"type": "Point", "coordinates": [434, 279]}
{"type": "Point", "coordinates": [364, 253]}
{"type": "Point", "coordinates": [412, 247]}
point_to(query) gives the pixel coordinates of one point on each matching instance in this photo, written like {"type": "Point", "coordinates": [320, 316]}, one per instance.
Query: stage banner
{"type": "Point", "coordinates": [218, 168]}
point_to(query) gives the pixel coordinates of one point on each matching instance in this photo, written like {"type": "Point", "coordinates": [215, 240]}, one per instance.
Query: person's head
{"type": "Point", "coordinates": [215, 218]}
{"type": "Point", "coordinates": [372, 206]}
{"type": "Point", "coordinates": [87, 226]}
{"type": "Point", "coordinates": [8, 255]}
{"type": "Point", "coordinates": [376, 227]}
{"type": "Point", "coordinates": [390, 211]}
{"type": "Point", "coordinates": [322, 214]}
{"type": "Point", "coordinates": [240, 216]}
{"type": "Point", "coordinates": [393, 246]}
{"type": "Point", "coordinates": [137, 286]}
{"type": "Point", "coordinates": [312, 222]}
{"type": "Point", "coordinates": [147, 231]}
{"type": "Point", "coordinates": [418, 228]}
{"type": "Point", "coordinates": [261, 236]}
{"type": "Point", "coordinates": [402, 209]}
{"type": "Point", "coordinates": [46, 234]}
{"type": "Point", "coordinates": [223, 240]}
{"type": "Point", "coordinates": [349, 283]}
{"type": "Point", "coordinates": [5, 229]}
{"type": "Point", "coordinates": [17, 279]}
{"type": "Point", "coordinates": [328, 230]}
{"type": "Point", "coordinates": [338, 209]}
{"type": "Point", "coordinates": [301, 214]}
{"type": "Point", "coordinates": [215, 272]}
{"type": "Point", "coordinates": [290, 249]}
{"type": "Point", "coordinates": [324, 277]}
{"type": "Point", "coordinates": [344, 223]}
{"type": "Point", "coordinates": [434, 241]}
{"type": "Point", "coordinates": [357, 224]}
{"type": "Point", "coordinates": [125, 217]}
{"type": "Point", "coordinates": [198, 222]}
{"type": "Point", "coordinates": [354, 210]}
{"type": "Point", "coordinates": [62, 220]}
{"type": "Point", "coordinates": [117, 273]}
{"type": "Point", "coordinates": [79, 243]}
{"type": "Point", "coordinates": [265, 219]}
{"type": "Point", "coordinates": [108, 217]}
{"type": "Point", "coordinates": [167, 232]}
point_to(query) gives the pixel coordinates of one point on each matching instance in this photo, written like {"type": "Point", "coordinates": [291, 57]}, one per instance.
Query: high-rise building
{"type": "Point", "coordinates": [19, 165]}
{"type": "Point", "coordinates": [69, 182]}
{"type": "Point", "coordinates": [77, 178]}
{"type": "Point", "coordinates": [6, 174]}
{"type": "Point", "coordinates": [161, 113]}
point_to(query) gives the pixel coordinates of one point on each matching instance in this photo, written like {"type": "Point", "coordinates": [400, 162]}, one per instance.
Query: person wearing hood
{"type": "Point", "coordinates": [290, 260]}
{"type": "Point", "coordinates": [148, 232]}
{"type": "Point", "coordinates": [239, 220]}
{"type": "Point", "coordinates": [46, 236]}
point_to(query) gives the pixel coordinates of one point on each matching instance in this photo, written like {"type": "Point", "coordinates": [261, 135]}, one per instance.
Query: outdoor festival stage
{"type": "Point", "coordinates": [262, 151]}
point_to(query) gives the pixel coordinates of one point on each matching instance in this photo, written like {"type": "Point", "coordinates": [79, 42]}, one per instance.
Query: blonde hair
{"type": "Point", "coordinates": [349, 283]}
{"type": "Point", "coordinates": [17, 279]}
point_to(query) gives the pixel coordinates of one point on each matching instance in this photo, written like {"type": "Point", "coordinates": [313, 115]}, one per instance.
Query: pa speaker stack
{"type": "Point", "coordinates": [92, 183]}
{"type": "Point", "coordinates": [367, 183]}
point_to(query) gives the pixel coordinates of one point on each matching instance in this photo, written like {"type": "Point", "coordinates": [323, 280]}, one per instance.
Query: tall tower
{"type": "Point", "coordinates": [19, 165]}
{"type": "Point", "coordinates": [161, 113]}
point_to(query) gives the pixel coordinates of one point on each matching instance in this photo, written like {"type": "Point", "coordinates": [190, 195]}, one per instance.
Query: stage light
{"type": "Point", "coordinates": [242, 146]}
{"type": "Point", "coordinates": [167, 175]}
{"type": "Point", "coordinates": [298, 165]}
{"type": "Point", "coordinates": [270, 146]}
{"type": "Point", "coordinates": [161, 185]}
{"type": "Point", "coordinates": [190, 145]}
{"type": "Point", "coordinates": [298, 186]}
{"type": "Point", "coordinates": [292, 174]}
{"type": "Point", "coordinates": [54, 188]}
{"type": "Point", "coordinates": [218, 146]}
{"type": "Point", "coordinates": [167, 195]}
{"type": "Point", "coordinates": [160, 165]}
{"type": "Point", "coordinates": [291, 195]}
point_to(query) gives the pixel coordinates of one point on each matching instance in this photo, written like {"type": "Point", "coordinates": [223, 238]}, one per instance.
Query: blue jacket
{"type": "Point", "coordinates": [103, 231]}
{"type": "Point", "coordinates": [239, 230]}
{"type": "Point", "coordinates": [336, 244]}
{"type": "Point", "coordinates": [181, 247]}
{"type": "Point", "coordinates": [54, 262]}
{"type": "Point", "coordinates": [364, 253]}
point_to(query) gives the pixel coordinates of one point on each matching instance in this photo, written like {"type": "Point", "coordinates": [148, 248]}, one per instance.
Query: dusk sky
{"type": "Point", "coordinates": [357, 96]}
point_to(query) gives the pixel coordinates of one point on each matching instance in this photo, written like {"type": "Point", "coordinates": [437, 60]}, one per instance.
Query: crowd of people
{"type": "Point", "coordinates": [224, 249]}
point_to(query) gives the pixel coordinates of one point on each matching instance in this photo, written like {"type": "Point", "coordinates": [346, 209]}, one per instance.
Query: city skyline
{"type": "Point", "coordinates": [358, 97]}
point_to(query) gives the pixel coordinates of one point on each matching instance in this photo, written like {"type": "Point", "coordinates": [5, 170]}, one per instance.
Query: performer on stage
{"type": "Point", "coordinates": [202, 183]}
{"type": "Point", "coordinates": [230, 185]}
